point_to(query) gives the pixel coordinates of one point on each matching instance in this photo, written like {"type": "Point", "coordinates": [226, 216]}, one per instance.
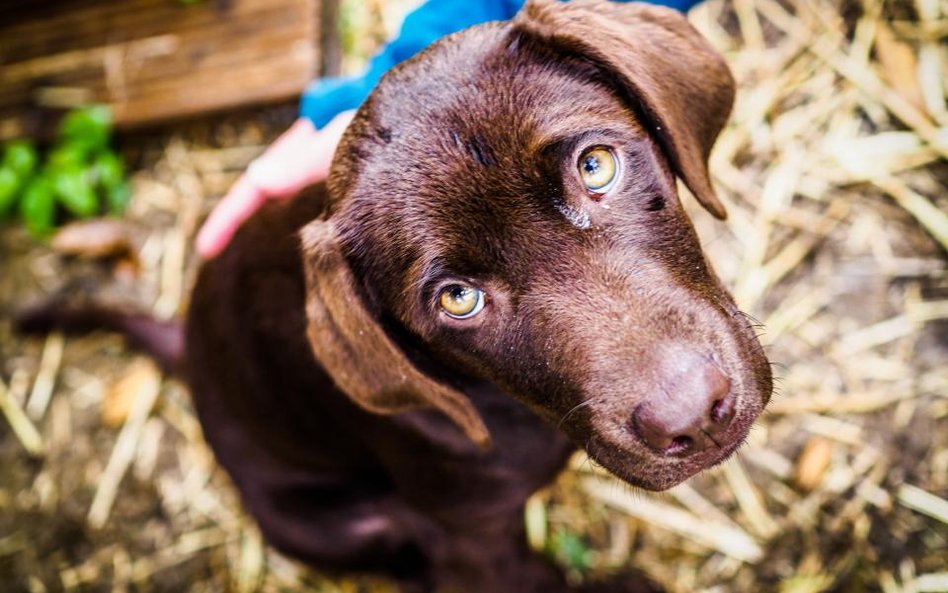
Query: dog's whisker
{"type": "Point", "coordinates": [749, 317]}
{"type": "Point", "coordinates": [578, 406]}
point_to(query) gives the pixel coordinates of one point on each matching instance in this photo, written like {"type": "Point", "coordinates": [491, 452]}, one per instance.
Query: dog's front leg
{"type": "Point", "coordinates": [495, 557]}
{"type": "Point", "coordinates": [336, 526]}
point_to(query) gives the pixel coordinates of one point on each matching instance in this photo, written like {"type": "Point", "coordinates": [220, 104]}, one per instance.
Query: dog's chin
{"type": "Point", "coordinates": [646, 470]}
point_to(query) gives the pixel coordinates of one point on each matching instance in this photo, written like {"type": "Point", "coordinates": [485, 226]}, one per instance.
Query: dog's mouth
{"type": "Point", "coordinates": [629, 461]}
{"type": "Point", "coordinates": [641, 458]}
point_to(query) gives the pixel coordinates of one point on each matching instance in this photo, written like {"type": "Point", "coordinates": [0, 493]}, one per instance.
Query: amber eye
{"type": "Point", "coordinates": [461, 301]}
{"type": "Point", "coordinates": [599, 169]}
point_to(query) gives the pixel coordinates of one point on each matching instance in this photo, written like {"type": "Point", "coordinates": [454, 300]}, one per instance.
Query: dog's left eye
{"type": "Point", "coordinates": [461, 301]}
{"type": "Point", "coordinates": [599, 169]}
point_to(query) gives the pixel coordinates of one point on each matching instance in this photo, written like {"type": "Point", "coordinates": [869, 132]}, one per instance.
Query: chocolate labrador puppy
{"type": "Point", "coordinates": [498, 271]}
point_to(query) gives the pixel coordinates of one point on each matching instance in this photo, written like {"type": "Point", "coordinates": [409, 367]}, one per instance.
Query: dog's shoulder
{"type": "Point", "coordinates": [264, 255]}
{"type": "Point", "coordinates": [245, 328]}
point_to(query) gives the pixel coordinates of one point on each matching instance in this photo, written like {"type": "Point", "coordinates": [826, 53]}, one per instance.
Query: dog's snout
{"type": "Point", "coordinates": [691, 405]}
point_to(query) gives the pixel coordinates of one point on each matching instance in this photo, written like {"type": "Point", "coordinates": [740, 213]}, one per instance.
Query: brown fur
{"type": "Point", "coordinates": [366, 430]}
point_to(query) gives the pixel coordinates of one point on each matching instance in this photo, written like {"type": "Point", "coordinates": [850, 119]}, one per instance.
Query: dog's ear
{"type": "Point", "coordinates": [361, 358]}
{"type": "Point", "coordinates": [679, 83]}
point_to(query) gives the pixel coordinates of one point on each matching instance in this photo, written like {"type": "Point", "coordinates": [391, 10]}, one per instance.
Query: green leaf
{"type": "Point", "coordinates": [38, 207]}
{"type": "Point", "coordinates": [75, 193]}
{"type": "Point", "coordinates": [9, 184]}
{"type": "Point", "coordinates": [570, 549]}
{"type": "Point", "coordinates": [117, 197]}
{"type": "Point", "coordinates": [87, 126]}
{"type": "Point", "coordinates": [108, 170]}
{"type": "Point", "coordinates": [67, 156]}
{"type": "Point", "coordinates": [21, 157]}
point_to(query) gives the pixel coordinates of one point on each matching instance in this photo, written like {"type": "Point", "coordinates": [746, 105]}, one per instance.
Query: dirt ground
{"type": "Point", "coordinates": [834, 171]}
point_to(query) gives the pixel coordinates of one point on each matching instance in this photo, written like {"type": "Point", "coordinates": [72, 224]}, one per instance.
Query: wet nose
{"type": "Point", "coordinates": [692, 404]}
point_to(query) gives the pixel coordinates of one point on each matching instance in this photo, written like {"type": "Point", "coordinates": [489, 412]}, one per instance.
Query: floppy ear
{"type": "Point", "coordinates": [360, 357]}
{"type": "Point", "coordinates": [680, 84]}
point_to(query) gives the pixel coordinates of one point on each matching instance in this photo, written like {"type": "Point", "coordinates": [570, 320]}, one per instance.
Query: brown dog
{"type": "Point", "coordinates": [499, 254]}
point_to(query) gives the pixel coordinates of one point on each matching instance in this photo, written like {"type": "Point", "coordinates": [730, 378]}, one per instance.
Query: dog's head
{"type": "Point", "coordinates": [504, 206]}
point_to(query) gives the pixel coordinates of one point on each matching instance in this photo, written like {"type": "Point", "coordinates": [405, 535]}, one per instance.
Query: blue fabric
{"type": "Point", "coordinates": [434, 19]}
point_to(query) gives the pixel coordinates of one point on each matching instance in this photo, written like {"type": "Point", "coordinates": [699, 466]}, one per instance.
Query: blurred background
{"type": "Point", "coordinates": [135, 117]}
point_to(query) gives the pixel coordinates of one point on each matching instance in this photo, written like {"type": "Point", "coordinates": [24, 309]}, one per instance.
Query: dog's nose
{"type": "Point", "coordinates": [691, 406]}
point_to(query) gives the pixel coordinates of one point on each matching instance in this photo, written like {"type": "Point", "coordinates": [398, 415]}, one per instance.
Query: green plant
{"type": "Point", "coordinates": [570, 550]}
{"type": "Point", "coordinates": [81, 175]}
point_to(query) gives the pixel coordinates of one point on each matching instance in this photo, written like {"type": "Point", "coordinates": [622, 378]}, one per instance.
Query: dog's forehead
{"type": "Point", "coordinates": [449, 157]}
{"type": "Point", "coordinates": [474, 112]}
{"type": "Point", "coordinates": [494, 83]}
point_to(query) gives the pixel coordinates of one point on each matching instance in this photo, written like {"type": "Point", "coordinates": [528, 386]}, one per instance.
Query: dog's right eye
{"type": "Point", "coordinates": [461, 301]}
{"type": "Point", "coordinates": [599, 169]}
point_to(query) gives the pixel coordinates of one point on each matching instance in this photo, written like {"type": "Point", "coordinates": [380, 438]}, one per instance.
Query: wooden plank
{"type": "Point", "coordinates": [151, 60]}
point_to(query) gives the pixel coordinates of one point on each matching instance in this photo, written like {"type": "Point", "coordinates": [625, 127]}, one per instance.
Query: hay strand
{"type": "Point", "coordinates": [18, 420]}
{"type": "Point", "coordinates": [46, 377]}
{"type": "Point", "coordinates": [725, 538]}
{"type": "Point", "coordinates": [146, 385]}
